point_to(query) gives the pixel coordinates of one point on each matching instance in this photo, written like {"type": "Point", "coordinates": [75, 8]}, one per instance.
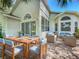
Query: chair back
{"type": "Point", "coordinates": [27, 35]}
{"type": "Point", "coordinates": [9, 43]}
{"type": "Point", "coordinates": [2, 40]}
{"type": "Point", "coordinates": [43, 38]}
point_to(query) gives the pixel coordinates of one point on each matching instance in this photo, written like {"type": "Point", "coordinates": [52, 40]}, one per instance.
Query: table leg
{"type": "Point", "coordinates": [26, 51]}
{"type": "Point", "coordinates": [3, 52]}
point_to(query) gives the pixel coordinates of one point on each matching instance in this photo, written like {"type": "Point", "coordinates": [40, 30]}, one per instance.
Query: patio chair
{"type": "Point", "coordinates": [50, 38]}
{"type": "Point", "coordinates": [2, 47]}
{"type": "Point", "coordinates": [39, 50]}
{"type": "Point", "coordinates": [70, 41]}
{"type": "Point", "coordinates": [12, 50]}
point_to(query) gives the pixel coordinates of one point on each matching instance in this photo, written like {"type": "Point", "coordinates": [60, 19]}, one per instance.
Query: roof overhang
{"type": "Point", "coordinates": [69, 13]}
{"type": "Point", "coordinates": [10, 16]}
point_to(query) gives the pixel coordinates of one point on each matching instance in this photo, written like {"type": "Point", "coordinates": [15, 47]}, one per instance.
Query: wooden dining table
{"type": "Point", "coordinates": [26, 42]}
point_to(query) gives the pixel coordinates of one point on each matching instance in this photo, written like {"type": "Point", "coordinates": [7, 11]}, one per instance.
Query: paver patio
{"type": "Point", "coordinates": [58, 50]}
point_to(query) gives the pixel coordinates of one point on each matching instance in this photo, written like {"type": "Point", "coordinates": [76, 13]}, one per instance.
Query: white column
{"type": "Point", "coordinates": [59, 26]}
{"type": "Point", "coordinates": [39, 23]}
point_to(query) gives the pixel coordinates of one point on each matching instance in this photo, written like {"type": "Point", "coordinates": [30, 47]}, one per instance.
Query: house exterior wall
{"type": "Point", "coordinates": [74, 19]}
{"type": "Point", "coordinates": [13, 27]}
{"type": "Point", "coordinates": [32, 7]}
{"type": "Point", "coordinates": [36, 9]}
{"type": "Point", "coordinates": [52, 22]}
{"type": "Point", "coordinates": [43, 11]}
{"type": "Point", "coordinates": [10, 26]}
{"type": "Point", "coordinates": [3, 22]}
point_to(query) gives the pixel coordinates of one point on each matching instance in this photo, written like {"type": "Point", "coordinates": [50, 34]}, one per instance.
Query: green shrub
{"type": "Point", "coordinates": [20, 32]}
{"type": "Point", "coordinates": [77, 30]}
{"type": "Point", "coordinates": [1, 36]}
{"type": "Point", "coordinates": [76, 34]}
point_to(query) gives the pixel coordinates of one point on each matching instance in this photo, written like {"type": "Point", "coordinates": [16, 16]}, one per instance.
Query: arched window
{"type": "Point", "coordinates": [66, 18]}
{"type": "Point", "coordinates": [27, 16]}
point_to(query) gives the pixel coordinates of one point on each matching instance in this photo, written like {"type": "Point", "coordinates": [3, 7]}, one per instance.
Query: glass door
{"type": "Point", "coordinates": [29, 28]}
{"type": "Point", "coordinates": [56, 27]}
{"type": "Point", "coordinates": [33, 28]}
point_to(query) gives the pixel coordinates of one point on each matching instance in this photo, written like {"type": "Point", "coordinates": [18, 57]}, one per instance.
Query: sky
{"type": "Point", "coordinates": [72, 6]}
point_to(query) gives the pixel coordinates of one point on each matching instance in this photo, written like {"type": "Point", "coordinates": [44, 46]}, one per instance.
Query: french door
{"type": "Point", "coordinates": [29, 28]}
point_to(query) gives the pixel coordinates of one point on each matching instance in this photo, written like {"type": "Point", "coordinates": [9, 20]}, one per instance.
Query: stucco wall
{"type": "Point", "coordinates": [13, 27]}
{"type": "Point", "coordinates": [9, 26]}
{"type": "Point", "coordinates": [43, 12]}
{"type": "Point", "coordinates": [3, 22]}
{"type": "Point", "coordinates": [36, 8]}
{"type": "Point", "coordinates": [31, 7]}
{"type": "Point", "coordinates": [52, 22]}
{"type": "Point", "coordinates": [74, 19]}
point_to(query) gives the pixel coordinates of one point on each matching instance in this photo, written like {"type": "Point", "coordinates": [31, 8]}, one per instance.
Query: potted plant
{"type": "Point", "coordinates": [76, 34]}
{"type": "Point", "coordinates": [20, 33]}
{"type": "Point", "coordinates": [1, 36]}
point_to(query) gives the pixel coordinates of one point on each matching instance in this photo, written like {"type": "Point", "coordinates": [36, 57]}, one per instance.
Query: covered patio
{"type": "Point", "coordinates": [59, 50]}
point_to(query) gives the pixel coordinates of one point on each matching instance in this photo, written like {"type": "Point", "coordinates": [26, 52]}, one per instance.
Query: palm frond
{"type": "Point", "coordinates": [63, 3]}
{"type": "Point", "coordinates": [6, 3]}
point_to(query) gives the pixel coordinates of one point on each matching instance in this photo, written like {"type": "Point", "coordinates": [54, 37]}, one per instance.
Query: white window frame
{"type": "Point", "coordinates": [65, 22]}
{"type": "Point", "coordinates": [30, 27]}
{"type": "Point", "coordinates": [46, 24]}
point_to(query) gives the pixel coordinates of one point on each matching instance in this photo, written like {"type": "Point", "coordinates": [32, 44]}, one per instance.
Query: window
{"type": "Point", "coordinates": [29, 28]}
{"type": "Point", "coordinates": [27, 16]}
{"type": "Point", "coordinates": [65, 18]}
{"type": "Point", "coordinates": [65, 26]}
{"type": "Point", "coordinates": [76, 26]}
{"type": "Point", "coordinates": [66, 23]}
{"type": "Point", "coordinates": [33, 28]}
{"type": "Point", "coordinates": [56, 27]}
{"type": "Point", "coordinates": [22, 27]}
{"type": "Point", "coordinates": [44, 24]}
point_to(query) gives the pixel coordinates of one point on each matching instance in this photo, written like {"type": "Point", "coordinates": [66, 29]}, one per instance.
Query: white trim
{"type": "Point", "coordinates": [30, 26]}
{"type": "Point", "coordinates": [16, 18]}
{"type": "Point", "coordinates": [7, 15]}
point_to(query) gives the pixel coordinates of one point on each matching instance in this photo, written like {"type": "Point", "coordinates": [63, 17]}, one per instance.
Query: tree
{"type": "Point", "coordinates": [8, 3]}
{"type": "Point", "coordinates": [5, 3]}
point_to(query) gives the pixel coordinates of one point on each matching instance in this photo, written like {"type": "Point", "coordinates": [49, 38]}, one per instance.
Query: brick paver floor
{"type": "Point", "coordinates": [58, 50]}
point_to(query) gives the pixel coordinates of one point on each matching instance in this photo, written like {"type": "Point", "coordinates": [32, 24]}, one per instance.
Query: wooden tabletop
{"type": "Point", "coordinates": [22, 40]}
